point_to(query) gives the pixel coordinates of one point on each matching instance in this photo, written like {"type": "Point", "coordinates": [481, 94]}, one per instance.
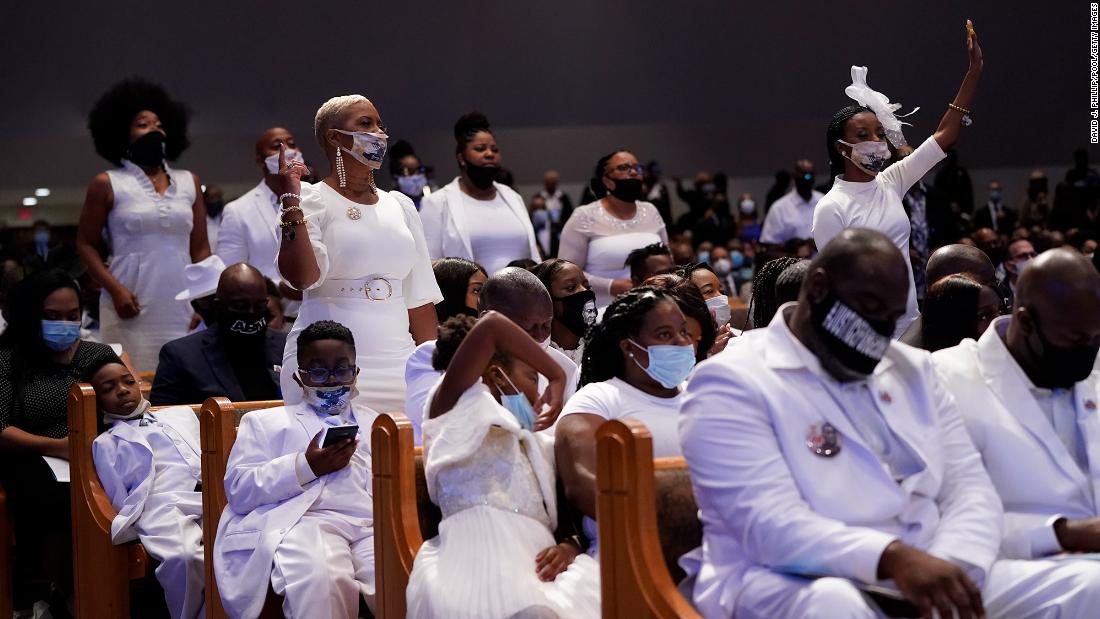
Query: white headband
{"type": "Point", "coordinates": [879, 104]}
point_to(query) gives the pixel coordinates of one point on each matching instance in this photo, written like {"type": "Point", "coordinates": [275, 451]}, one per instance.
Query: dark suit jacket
{"type": "Point", "coordinates": [1006, 219]}
{"type": "Point", "coordinates": [195, 367]}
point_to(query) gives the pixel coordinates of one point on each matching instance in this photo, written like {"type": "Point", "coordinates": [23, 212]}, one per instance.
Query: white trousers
{"type": "Point", "coordinates": [172, 534]}
{"type": "Point", "coordinates": [1013, 590]}
{"type": "Point", "coordinates": [323, 566]}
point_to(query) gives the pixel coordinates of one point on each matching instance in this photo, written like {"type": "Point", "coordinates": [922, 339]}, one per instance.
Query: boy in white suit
{"type": "Point", "coordinates": [1028, 393]}
{"type": "Point", "coordinates": [148, 462]}
{"type": "Point", "coordinates": [841, 462]}
{"type": "Point", "coordinates": [300, 516]}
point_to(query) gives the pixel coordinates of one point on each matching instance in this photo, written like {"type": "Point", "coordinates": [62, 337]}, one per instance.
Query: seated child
{"type": "Point", "coordinates": [300, 516]}
{"type": "Point", "coordinates": [148, 462]}
{"type": "Point", "coordinates": [491, 472]}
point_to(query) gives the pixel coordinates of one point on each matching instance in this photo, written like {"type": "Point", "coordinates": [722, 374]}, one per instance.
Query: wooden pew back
{"type": "Point", "coordinates": [404, 515]}
{"type": "Point", "coordinates": [218, 421]}
{"type": "Point", "coordinates": [638, 549]}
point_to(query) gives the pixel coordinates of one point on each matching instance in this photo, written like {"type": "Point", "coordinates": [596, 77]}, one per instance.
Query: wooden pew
{"type": "Point", "coordinates": [102, 571]}
{"type": "Point", "coordinates": [7, 541]}
{"type": "Point", "coordinates": [404, 515]}
{"type": "Point", "coordinates": [638, 550]}
{"type": "Point", "coordinates": [218, 421]}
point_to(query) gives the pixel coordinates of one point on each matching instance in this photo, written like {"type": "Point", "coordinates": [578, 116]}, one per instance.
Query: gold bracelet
{"type": "Point", "coordinates": [288, 209]}
{"type": "Point", "coordinates": [959, 109]}
{"type": "Point", "coordinates": [291, 223]}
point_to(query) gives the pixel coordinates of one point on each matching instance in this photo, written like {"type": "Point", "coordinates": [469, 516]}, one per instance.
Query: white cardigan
{"type": "Point", "coordinates": [447, 231]}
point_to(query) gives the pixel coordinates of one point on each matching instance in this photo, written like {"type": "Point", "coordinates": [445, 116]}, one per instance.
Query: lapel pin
{"type": "Point", "coordinates": [885, 397]}
{"type": "Point", "coordinates": [1090, 405]}
{"type": "Point", "coordinates": [823, 440]}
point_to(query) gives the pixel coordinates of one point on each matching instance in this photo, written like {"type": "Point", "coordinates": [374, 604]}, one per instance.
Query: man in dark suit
{"type": "Point", "coordinates": [995, 214]}
{"type": "Point", "coordinates": [236, 357]}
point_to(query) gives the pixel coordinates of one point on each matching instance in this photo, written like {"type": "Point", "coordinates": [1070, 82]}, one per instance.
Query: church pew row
{"type": "Point", "coordinates": [218, 421]}
{"type": "Point", "coordinates": [647, 519]}
{"type": "Point", "coordinates": [102, 571]}
{"type": "Point", "coordinates": [404, 517]}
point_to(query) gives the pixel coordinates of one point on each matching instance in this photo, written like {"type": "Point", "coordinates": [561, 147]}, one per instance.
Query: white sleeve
{"type": "Point", "coordinates": [419, 286]}
{"type": "Point", "coordinates": [827, 222]}
{"type": "Point", "coordinates": [742, 480]}
{"type": "Point", "coordinates": [431, 219]}
{"type": "Point", "coordinates": [252, 477]}
{"type": "Point", "coordinates": [772, 229]}
{"type": "Point", "coordinates": [232, 247]}
{"type": "Point", "coordinates": [317, 220]}
{"type": "Point", "coordinates": [905, 173]}
{"type": "Point", "coordinates": [593, 399]}
{"type": "Point", "coordinates": [420, 377]}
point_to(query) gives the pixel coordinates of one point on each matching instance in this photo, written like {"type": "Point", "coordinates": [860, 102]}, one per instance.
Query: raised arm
{"type": "Point", "coordinates": [947, 134]}
{"type": "Point", "coordinates": [297, 263]}
{"type": "Point", "coordinates": [494, 332]}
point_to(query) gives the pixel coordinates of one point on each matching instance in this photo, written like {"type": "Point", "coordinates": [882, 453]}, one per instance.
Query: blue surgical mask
{"type": "Point", "coordinates": [738, 259]}
{"type": "Point", "coordinates": [995, 195]}
{"type": "Point", "coordinates": [703, 256]}
{"type": "Point", "coordinates": [518, 405]}
{"type": "Point", "coordinates": [60, 334]}
{"type": "Point", "coordinates": [42, 237]}
{"type": "Point", "coordinates": [668, 365]}
{"type": "Point", "coordinates": [412, 185]}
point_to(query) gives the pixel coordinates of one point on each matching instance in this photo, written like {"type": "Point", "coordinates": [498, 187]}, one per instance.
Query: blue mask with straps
{"type": "Point", "coordinates": [60, 334]}
{"type": "Point", "coordinates": [518, 405]}
{"type": "Point", "coordinates": [668, 365]}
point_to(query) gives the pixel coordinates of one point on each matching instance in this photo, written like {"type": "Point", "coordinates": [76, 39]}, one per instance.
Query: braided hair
{"type": "Point", "coordinates": [763, 304]}
{"type": "Point", "coordinates": [692, 305]}
{"type": "Point", "coordinates": [452, 333]}
{"type": "Point", "coordinates": [836, 132]}
{"type": "Point", "coordinates": [603, 359]}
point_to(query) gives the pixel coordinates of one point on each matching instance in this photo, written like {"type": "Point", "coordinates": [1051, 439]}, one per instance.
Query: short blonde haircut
{"type": "Point", "coordinates": [330, 115]}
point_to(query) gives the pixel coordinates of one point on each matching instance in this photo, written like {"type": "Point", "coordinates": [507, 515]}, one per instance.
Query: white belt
{"type": "Point", "coordinates": [373, 288]}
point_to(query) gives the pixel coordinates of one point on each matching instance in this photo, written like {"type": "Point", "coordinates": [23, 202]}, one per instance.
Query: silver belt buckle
{"type": "Point", "coordinates": [378, 292]}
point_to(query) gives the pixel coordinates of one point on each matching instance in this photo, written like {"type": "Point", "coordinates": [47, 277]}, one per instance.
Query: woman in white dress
{"type": "Point", "coordinates": [151, 215]}
{"type": "Point", "coordinates": [474, 217]}
{"type": "Point", "coordinates": [868, 189]}
{"type": "Point", "coordinates": [599, 236]}
{"type": "Point", "coordinates": [491, 471]}
{"type": "Point", "coordinates": [357, 252]}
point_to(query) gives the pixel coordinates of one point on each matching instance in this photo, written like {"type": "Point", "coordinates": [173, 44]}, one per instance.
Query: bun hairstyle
{"type": "Point", "coordinates": [452, 333]}
{"type": "Point", "coordinates": [467, 127]}
{"type": "Point", "coordinates": [596, 184]}
{"type": "Point", "coordinates": [836, 132]}
{"type": "Point", "coordinates": [110, 118]}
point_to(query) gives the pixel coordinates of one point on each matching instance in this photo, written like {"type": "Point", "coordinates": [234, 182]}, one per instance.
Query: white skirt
{"type": "Point", "coordinates": [382, 346]}
{"type": "Point", "coordinates": [482, 566]}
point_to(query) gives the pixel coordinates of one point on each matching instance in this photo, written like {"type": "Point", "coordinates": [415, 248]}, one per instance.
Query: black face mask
{"type": "Point", "coordinates": [243, 327]}
{"type": "Point", "coordinates": [804, 186]}
{"type": "Point", "coordinates": [627, 189]}
{"type": "Point", "coordinates": [1063, 366]}
{"type": "Point", "coordinates": [854, 341]}
{"type": "Point", "coordinates": [1036, 186]}
{"type": "Point", "coordinates": [578, 311]}
{"type": "Point", "coordinates": [482, 176]}
{"type": "Point", "coordinates": [214, 208]}
{"type": "Point", "coordinates": [148, 150]}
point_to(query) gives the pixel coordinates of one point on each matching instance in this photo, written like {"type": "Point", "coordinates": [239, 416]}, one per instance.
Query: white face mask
{"type": "Point", "coordinates": [870, 156]}
{"type": "Point", "coordinates": [272, 161]}
{"type": "Point", "coordinates": [723, 266]}
{"type": "Point", "coordinates": [1020, 264]}
{"type": "Point", "coordinates": [720, 307]}
{"type": "Point", "coordinates": [367, 148]}
{"type": "Point", "coordinates": [748, 207]}
{"type": "Point", "coordinates": [139, 410]}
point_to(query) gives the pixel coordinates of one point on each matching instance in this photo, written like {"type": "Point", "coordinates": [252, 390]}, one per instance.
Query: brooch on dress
{"type": "Point", "coordinates": [354, 213]}
{"type": "Point", "coordinates": [823, 440]}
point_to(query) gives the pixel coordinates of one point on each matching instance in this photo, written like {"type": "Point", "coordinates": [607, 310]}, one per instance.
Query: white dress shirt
{"type": "Point", "coordinates": [790, 217]}
{"type": "Point", "coordinates": [250, 231]}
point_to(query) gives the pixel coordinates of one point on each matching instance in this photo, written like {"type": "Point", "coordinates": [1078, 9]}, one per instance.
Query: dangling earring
{"type": "Point", "coordinates": [341, 175]}
{"type": "Point", "coordinates": [370, 180]}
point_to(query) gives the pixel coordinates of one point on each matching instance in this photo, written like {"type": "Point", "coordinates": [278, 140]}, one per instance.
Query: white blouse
{"type": "Point", "coordinates": [496, 237]}
{"type": "Point", "coordinates": [599, 242]}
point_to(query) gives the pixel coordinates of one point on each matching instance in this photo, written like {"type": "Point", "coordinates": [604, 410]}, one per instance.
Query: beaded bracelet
{"type": "Point", "coordinates": [289, 195]}
{"type": "Point", "coordinates": [291, 209]}
{"type": "Point", "coordinates": [291, 223]}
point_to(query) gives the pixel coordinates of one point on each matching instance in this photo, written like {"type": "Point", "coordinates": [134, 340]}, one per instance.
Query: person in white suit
{"type": "Point", "coordinates": [149, 464]}
{"type": "Point", "coordinates": [1028, 393]}
{"type": "Point", "coordinates": [300, 516]}
{"type": "Point", "coordinates": [840, 462]}
{"type": "Point", "coordinates": [474, 217]}
{"type": "Point", "coordinates": [250, 224]}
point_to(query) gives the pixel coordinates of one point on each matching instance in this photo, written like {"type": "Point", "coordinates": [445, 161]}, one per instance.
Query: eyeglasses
{"type": "Point", "coordinates": [627, 168]}
{"type": "Point", "coordinates": [321, 375]}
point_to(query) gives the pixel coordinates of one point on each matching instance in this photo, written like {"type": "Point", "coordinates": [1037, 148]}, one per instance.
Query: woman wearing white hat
{"type": "Point", "coordinates": [358, 253]}
{"type": "Point", "coordinates": [202, 283]}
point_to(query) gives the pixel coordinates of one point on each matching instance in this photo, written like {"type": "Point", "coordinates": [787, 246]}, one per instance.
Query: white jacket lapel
{"type": "Point", "coordinates": [1002, 374]}
{"type": "Point", "coordinates": [456, 232]}
{"type": "Point", "coordinates": [1088, 422]}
